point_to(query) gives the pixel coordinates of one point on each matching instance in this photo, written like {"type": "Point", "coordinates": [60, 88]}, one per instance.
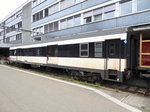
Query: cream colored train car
{"type": "Point", "coordinates": [91, 58]}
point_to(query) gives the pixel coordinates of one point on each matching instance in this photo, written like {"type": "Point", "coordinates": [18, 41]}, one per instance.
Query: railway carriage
{"type": "Point", "coordinates": [108, 57]}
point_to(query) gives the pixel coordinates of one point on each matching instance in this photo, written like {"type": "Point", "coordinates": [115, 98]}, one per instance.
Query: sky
{"type": "Point", "coordinates": [8, 6]}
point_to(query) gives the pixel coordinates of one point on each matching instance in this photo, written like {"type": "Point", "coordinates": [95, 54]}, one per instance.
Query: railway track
{"type": "Point", "coordinates": [128, 88]}
{"type": "Point", "coordinates": [113, 85]}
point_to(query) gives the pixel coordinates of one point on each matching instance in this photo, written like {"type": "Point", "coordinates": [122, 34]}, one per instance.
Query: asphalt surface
{"type": "Point", "coordinates": [23, 92]}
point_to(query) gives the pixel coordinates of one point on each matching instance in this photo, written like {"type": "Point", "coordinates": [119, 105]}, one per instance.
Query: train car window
{"type": "Point", "coordinates": [28, 52]}
{"type": "Point", "coordinates": [68, 50]}
{"type": "Point", "coordinates": [12, 53]}
{"type": "Point", "coordinates": [112, 48]}
{"type": "Point", "coordinates": [22, 52]}
{"type": "Point", "coordinates": [98, 49]}
{"type": "Point", "coordinates": [19, 52]}
{"type": "Point", "coordinates": [43, 51]}
{"type": "Point", "coordinates": [52, 51]}
{"type": "Point", "coordinates": [84, 50]}
{"type": "Point", "coordinates": [37, 52]}
{"type": "Point", "coordinates": [25, 52]}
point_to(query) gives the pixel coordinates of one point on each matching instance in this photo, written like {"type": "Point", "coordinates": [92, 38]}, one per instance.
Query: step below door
{"type": "Point", "coordinates": [113, 60]}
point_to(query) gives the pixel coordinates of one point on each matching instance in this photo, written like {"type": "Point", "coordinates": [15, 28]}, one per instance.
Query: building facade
{"type": "Point", "coordinates": [16, 27]}
{"type": "Point", "coordinates": [50, 20]}
{"type": "Point", "coordinates": [53, 19]}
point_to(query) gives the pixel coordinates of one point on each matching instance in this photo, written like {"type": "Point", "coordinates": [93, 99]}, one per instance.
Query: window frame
{"type": "Point", "coordinates": [120, 7]}
{"type": "Point", "coordinates": [63, 24]}
{"type": "Point", "coordinates": [19, 36]}
{"type": "Point", "coordinates": [85, 20]}
{"type": "Point", "coordinates": [97, 16]}
{"type": "Point", "coordinates": [76, 17]}
{"type": "Point", "coordinates": [104, 15]}
{"type": "Point", "coordinates": [113, 48]}
{"type": "Point", "coordinates": [70, 22]}
{"type": "Point", "coordinates": [142, 9]}
{"type": "Point", "coordinates": [80, 50]}
{"type": "Point", "coordinates": [98, 52]}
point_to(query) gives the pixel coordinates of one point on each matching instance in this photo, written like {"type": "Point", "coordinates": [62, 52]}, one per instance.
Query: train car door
{"type": "Point", "coordinates": [113, 59]}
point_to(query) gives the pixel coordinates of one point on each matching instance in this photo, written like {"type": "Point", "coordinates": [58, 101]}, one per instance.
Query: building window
{"type": "Point", "coordinates": [125, 7]}
{"type": "Point", "coordinates": [70, 22]}
{"type": "Point", "coordinates": [109, 15]}
{"type": "Point", "coordinates": [63, 4]}
{"type": "Point", "coordinates": [41, 14]}
{"type": "Point", "coordinates": [109, 11]}
{"type": "Point", "coordinates": [35, 2]}
{"type": "Point", "coordinates": [38, 16]}
{"type": "Point", "coordinates": [84, 50]}
{"type": "Point", "coordinates": [8, 30]}
{"type": "Point", "coordinates": [98, 14]}
{"type": "Point", "coordinates": [51, 27]}
{"type": "Point", "coordinates": [19, 25]}
{"type": "Point", "coordinates": [46, 12]}
{"type": "Point", "coordinates": [2, 33]}
{"type": "Point", "coordinates": [53, 9]}
{"type": "Point", "coordinates": [34, 18]}
{"type": "Point", "coordinates": [56, 26]}
{"type": "Point", "coordinates": [42, 30]}
{"type": "Point", "coordinates": [66, 3]}
{"type": "Point", "coordinates": [7, 40]}
{"type": "Point", "coordinates": [38, 31]}
{"type": "Point", "coordinates": [12, 38]}
{"type": "Point", "coordinates": [12, 28]}
{"type": "Point", "coordinates": [63, 24]}
{"type": "Point", "coordinates": [143, 5]}
{"type": "Point", "coordinates": [98, 49]}
{"type": "Point", "coordinates": [88, 17]}
{"type": "Point", "coordinates": [98, 17]}
{"type": "Point", "coordinates": [19, 36]}
{"type": "Point", "coordinates": [46, 28]}
{"type": "Point", "coordinates": [77, 20]}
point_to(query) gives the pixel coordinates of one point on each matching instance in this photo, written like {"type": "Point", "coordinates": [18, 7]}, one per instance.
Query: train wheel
{"type": "Point", "coordinates": [76, 75]}
{"type": "Point", "coordinates": [99, 80]}
{"type": "Point", "coordinates": [92, 77]}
